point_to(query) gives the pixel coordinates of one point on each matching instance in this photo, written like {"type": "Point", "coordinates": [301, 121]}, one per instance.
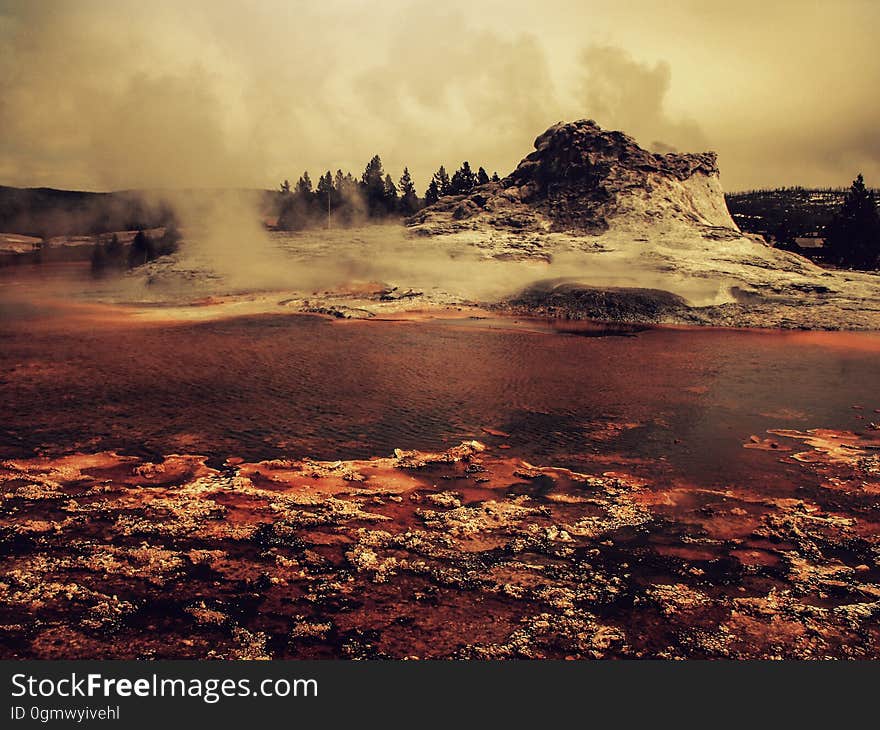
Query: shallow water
{"type": "Point", "coordinates": [680, 401]}
{"type": "Point", "coordinates": [689, 546]}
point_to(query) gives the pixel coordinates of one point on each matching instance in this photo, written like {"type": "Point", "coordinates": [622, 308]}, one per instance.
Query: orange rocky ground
{"type": "Point", "coordinates": [464, 553]}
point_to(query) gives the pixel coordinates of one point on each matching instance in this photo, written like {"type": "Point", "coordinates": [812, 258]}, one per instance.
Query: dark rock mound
{"type": "Point", "coordinates": [570, 300]}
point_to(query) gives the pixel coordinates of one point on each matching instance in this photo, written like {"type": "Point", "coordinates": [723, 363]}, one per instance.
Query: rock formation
{"type": "Point", "coordinates": [609, 217]}
{"type": "Point", "coordinates": [580, 178]}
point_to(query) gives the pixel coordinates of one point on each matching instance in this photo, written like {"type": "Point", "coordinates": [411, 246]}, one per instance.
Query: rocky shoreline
{"type": "Point", "coordinates": [792, 304]}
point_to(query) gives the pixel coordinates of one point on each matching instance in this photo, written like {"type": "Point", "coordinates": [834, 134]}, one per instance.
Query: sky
{"type": "Point", "coordinates": [103, 94]}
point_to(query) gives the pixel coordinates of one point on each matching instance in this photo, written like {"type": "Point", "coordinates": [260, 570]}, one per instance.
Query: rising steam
{"type": "Point", "coordinates": [169, 96]}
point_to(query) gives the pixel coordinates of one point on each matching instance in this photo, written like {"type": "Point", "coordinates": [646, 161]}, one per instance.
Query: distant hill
{"type": "Point", "coordinates": [47, 212]}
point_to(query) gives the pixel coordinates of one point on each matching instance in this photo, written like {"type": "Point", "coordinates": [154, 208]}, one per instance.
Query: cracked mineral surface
{"type": "Point", "coordinates": [465, 553]}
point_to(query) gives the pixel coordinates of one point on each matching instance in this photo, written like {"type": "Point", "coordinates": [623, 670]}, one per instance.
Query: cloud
{"type": "Point", "coordinates": [206, 95]}
{"type": "Point", "coordinates": [622, 93]}
{"type": "Point", "coordinates": [92, 102]}
{"type": "Point", "coordinates": [469, 94]}
{"type": "Point", "coordinates": [166, 94]}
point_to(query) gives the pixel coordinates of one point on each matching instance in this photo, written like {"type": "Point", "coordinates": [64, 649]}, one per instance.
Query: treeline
{"type": "Point", "coordinates": [46, 212]}
{"type": "Point", "coordinates": [342, 199]}
{"type": "Point", "coordinates": [843, 222]}
{"type": "Point", "coordinates": [784, 215]}
{"type": "Point", "coordinates": [109, 253]}
{"type": "Point", "coordinates": [852, 237]}
{"type": "Point", "coordinates": [462, 182]}
{"type": "Point", "coordinates": [786, 190]}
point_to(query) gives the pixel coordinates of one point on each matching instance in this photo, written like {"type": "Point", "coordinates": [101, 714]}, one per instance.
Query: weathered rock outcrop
{"type": "Point", "coordinates": [580, 178]}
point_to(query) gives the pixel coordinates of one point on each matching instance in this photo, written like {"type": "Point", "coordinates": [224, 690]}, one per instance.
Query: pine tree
{"type": "Point", "coordinates": [373, 184]}
{"type": "Point", "coordinates": [852, 238]}
{"type": "Point", "coordinates": [463, 180]}
{"type": "Point", "coordinates": [297, 209]}
{"type": "Point", "coordinates": [468, 176]}
{"type": "Point", "coordinates": [141, 251]}
{"type": "Point", "coordinates": [324, 193]}
{"type": "Point", "coordinates": [285, 187]}
{"type": "Point", "coordinates": [390, 195]}
{"type": "Point", "coordinates": [304, 185]}
{"type": "Point", "coordinates": [441, 178]}
{"type": "Point", "coordinates": [409, 198]}
{"type": "Point", "coordinates": [325, 187]}
{"type": "Point", "coordinates": [373, 172]}
{"type": "Point", "coordinates": [350, 197]}
{"type": "Point", "coordinates": [482, 176]}
{"type": "Point", "coordinates": [432, 194]}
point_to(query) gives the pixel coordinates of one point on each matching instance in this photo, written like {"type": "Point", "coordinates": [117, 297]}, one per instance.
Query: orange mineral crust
{"type": "Point", "coordinates": [467, 553]}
